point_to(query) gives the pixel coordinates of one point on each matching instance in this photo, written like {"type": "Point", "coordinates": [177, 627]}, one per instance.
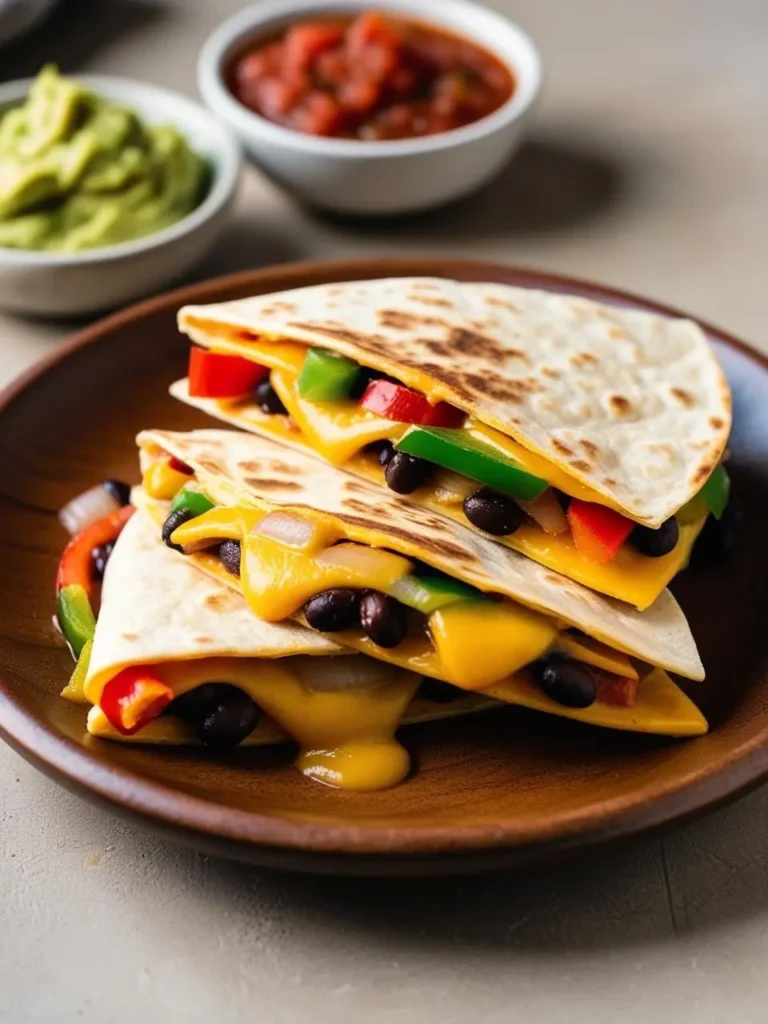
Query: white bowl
{"type": "Point", "coordinates": [66, 284]}
{"type": "Point", "coordinates": [388, 177]}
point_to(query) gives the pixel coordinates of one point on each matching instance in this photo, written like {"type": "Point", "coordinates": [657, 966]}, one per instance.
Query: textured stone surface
{"type": "Point", "coordinates": [646, 169]}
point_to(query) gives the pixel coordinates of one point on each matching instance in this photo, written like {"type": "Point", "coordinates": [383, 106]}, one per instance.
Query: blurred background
{"type": "Point", "coordinates": [646, 167]}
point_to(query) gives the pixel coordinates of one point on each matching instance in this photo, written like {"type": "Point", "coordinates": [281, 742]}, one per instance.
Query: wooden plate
{"type": "Point", "coordinates": [502, 788]}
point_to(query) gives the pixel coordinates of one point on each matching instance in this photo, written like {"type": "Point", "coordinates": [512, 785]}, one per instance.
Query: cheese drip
{"type": "Point", "coordinates": [346, 736]}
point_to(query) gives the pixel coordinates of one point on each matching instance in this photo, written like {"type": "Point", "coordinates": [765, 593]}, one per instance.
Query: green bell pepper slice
{"type": "Point", "coordinates": [191, 499]}
{"type": "Point", "coordinates": [428, 593]}
{"type": "Point", "coordinates": [716, 491]}
{"type": "Point", "coordinates": [326, 377]}
{"type": "Point", "coordinates": [75, 688]}
{"type": "Point", "coordinates": [459, 451]}
{"type": "Point", "coordinates": [75, 616]}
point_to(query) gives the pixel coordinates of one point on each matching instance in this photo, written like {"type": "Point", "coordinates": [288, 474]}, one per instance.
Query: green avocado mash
{"type": "Point", "coordinates": [77, 171]}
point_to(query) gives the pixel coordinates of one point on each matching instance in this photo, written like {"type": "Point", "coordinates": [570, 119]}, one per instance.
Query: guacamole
{"type": "Point", "coordinates": [77, 171]}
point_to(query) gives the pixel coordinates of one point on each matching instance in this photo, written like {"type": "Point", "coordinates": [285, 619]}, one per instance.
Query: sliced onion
{"type": "Point", "coordinates": [287, 528]}
{"type": "Point", "coordinates": [345, 672]}
{"type": "Point", "coordinates": [451, 488]}
{"type": "Point", "coordinates": [86, 508]}
{"type": "Point", "coordinates": [546, 511]}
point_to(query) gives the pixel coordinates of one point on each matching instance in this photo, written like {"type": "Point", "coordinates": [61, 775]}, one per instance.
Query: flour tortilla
{"type": "Point", "coordinates": [157, 607]}
{"type": "Point", "coordinates": [237, 468]}
{"type": "Point", "coordinates": [632, 403]}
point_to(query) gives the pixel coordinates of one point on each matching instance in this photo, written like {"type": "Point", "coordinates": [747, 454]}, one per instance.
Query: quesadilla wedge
{"type": "Point", "coordinates": [178, 658]}
{"type": "Point", "coordinates": [301, 539]}
{"type": "Point", "coordinates": [588, 437]}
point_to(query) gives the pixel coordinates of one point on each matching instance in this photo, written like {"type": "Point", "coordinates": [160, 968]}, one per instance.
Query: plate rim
{"type": "Point", "coordinates": [264, 837]}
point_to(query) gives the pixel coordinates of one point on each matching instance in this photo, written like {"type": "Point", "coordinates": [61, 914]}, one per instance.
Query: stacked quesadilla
{"type": "Point", "coordinates": [446, 497]}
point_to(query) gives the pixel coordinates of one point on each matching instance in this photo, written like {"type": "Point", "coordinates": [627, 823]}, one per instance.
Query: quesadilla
{"type": "Point", "coordinates": [303, 540]}
{"type": "Point", "coordinates": [587, 437]}
{"type": "Point", "coordinates": [177, 658]}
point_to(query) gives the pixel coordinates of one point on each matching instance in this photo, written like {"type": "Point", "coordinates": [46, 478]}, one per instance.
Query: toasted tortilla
{"type": "Point", "coordinates": [631, 403]}
{"type": "Point", "coordinates": [243, 469]}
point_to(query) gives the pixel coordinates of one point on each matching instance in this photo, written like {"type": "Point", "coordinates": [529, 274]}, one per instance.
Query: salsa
{"type": "Point", "coordinates": [369, 77]}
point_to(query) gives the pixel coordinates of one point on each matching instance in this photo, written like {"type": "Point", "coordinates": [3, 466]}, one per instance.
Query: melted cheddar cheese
{"type": "Point", "coordinates": [346, 737]}
{"type": "Point", "coordinates": [339, 431]}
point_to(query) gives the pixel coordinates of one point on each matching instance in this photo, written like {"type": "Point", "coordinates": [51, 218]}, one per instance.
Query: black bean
{"type": "Point", "coordinates": [386, 453]}
{"type": "Point", "coordinates": [173, 522]}
{"type": "Point", "coordinates": [230, 721]}
{"type": "Point", "coordinates": [656, 543]}
{"type": "Point", "coordinates": [404, 473]}
{"type": "Point", "coordinates": [222, 714]}
{"type": "Point", "coordinates": [438, 691]}
{"type": "Point", "coordinates": [100, 557]}
{"type": "Point", "coordinates": [717, 540]}
{"type": "Point", "coordinates": [492, 513]}
{"type": "Point", "coordinates": [194, 705]}
{"type": "Point", "coordinates": [267, 399]}
{"type": "Point", "coordinates": [119, 490]}
{"type": "Point", "coordinates": [333, 610]}
{"type": "Point", "coordinates": [565, 682]}
{"type": "Point", "coordinates": [229, 553]}
{"type": "Point", "coordinates": [383, 619]}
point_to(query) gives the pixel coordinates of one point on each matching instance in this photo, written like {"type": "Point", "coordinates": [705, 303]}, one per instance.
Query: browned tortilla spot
{"type": "Point", "coordinates": [620, 405]}
{"type": "Point", "coordinates": [493, 300]}
{"type": "Point", "coordinates": [703, 472]}
{"type": "Point", "coordinates": [583, 359]}
{"type": "Point", "coordinates": [581, 465]}
{"type": "Point", "coordinates": [550, 371]}
{"type": "Point", "coordinates": [437, 545]}
{"type": "Point", "coordinates": [558, 445]}
{"type": "Point", "coordinates": [614, 332]}
{"type": "Point", "coordinates": [203, 639]}
{"type": "Point", "coordinates": [270, 484]}
{"type": "Point", "coordinates": [427, 300]}
{"type": "Point", "coordinates": [609, 481]}
{"type": "Point", "coordinates": [130, 637]}
{"type": "Point", "coordinates": [683, 397]}
{"type": "Point", "coordinates": [258, 466]}
{"type": "Point", "coordinates": [590, 448]}
{"type": "Point", "coordinates": [716, 422]}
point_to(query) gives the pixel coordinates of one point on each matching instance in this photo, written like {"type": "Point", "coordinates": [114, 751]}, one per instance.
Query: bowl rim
{"type": "Point", "coordinates": [347, 846]}
{"type": "Point", "coordinates": [225, 173]}
{"type": "Point", "coordinates": [247, 22]}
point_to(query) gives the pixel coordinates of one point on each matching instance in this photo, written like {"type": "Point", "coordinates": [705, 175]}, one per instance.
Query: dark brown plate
{"type": "Point", "coordinates": [504, 787]}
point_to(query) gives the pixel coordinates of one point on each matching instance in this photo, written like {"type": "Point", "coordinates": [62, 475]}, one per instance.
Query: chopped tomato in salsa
{"type": "Point", "coordinates": [370, 77]}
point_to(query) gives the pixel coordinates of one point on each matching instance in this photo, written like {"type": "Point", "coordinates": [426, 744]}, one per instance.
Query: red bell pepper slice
{"type": "Point", "coordinates": [75, 565]}
{"type": "Point", "coordinates": [134, 697]}
{"type": "Point", "coordinates": [396, 402]}
{"type": "Point", "coordinates": [616, 691]}
{"type": "Point", "coordinates": [598, 532]}
{"type": "Point", "coordinates": [216, 375]}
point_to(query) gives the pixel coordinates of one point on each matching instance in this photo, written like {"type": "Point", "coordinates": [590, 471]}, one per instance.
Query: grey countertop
{"type": "Point", "coordinates": [647, 168]}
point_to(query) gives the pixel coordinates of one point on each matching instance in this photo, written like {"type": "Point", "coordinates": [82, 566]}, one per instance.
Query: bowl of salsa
{"type": "Point", "coordinates": [373, 110]}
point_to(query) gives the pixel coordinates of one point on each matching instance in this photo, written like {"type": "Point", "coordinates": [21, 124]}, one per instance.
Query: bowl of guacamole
{"type": "Point", "coordinates": [101, 173]}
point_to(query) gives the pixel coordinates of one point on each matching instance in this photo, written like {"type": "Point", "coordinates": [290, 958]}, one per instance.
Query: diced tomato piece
{"type": "Point", "coordinates": [134, 697]}
{"type": "Point", "coordinates": [360, 94]}
{"type": "Point", "coordinates": [305, 42]}
{"type": "Point", "coordinates": [319, 114]}
{"type": "Point", "coordinates": [370, 27]}
{"type": "Point", "coordinates": [395, 402]}
{"type": "Point", "coordinates": [259, 64]}
{"type": "Point", "coordinates": [598, 532]}
{"type": "Point", "coordinates": [332, 67]}
{"type": "Point", "coordinates": [617, 691]}
{"type": "Point", "coordinates": [216, 375]}
{"type": "Point", "coordinates": [275, 96]}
